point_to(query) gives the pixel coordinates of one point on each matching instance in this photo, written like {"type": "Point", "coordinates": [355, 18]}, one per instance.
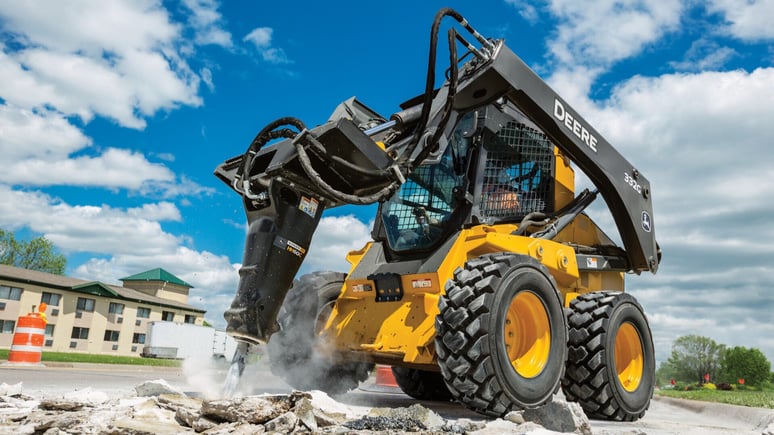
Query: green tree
{"type": "Point", "coordinates": [694, 356]}
{"type": "Point", "coordinates": [36, 254]}
{"type": "Point", "coordinates": [748, 364]}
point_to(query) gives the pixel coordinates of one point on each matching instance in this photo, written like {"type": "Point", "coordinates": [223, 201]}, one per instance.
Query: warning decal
{"type": "Point", "coordinates": [308, 206]}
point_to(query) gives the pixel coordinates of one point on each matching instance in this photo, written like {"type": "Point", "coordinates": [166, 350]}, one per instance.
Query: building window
{"type": "Point", "coordinates": [85, 304]}
{"type": "Point", "coordinates": [80, 333]}
{"type": "Point", "coordinates": [116, 308]}
{"type": "Point", "coordinates": [51, 299]}
{"type": "Point", "coordinates": [143, 312]}
{"type": "Point", "coordinates": [50, 330]}
{"type": "Point", "coordinates": [138, 338]}
{"type": "Point", "coordinates": [111, 335]}
{"type": "Point", "coordinates": [6, 326]}
{"type": "Point", "coordinates": [167, 316]}
{"type": "Point", "coordinates": [10, 293]}
{"type": "Point", "coordinates": [190, 318]}
{"type": "Point", "coordinates": [49, 343]}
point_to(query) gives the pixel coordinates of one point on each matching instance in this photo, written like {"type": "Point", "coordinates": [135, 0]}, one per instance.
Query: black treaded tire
{"type": "Point", "coordinates": [592, 378]}
{"type": "Point", "coordinates": [293, 351]}
{"type": "Point", "coordinates": [471, 340]}
{"type": "Point", "coordinates": [421, 384]}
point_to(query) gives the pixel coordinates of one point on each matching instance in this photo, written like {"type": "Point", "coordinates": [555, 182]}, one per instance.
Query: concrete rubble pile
{"type": "Point", "coordinates": [157, 408]}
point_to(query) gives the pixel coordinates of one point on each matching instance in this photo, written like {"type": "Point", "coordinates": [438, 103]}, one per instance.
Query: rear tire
{"type": "Point", "coordinates": [501, 338]}
{"type": "Point", "coordinates": [611, 362]}
{"type": "Point", "coordinates": [294, 350]}
{"type": "Point", "coordinates": [421, 384]}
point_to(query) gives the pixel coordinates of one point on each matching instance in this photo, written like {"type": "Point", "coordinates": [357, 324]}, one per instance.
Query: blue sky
{"type": "Point", "coordinates": [114, 114]}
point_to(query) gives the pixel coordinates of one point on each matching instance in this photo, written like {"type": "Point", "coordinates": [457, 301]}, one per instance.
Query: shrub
{"type": "Point", "coordinates": [709, 386]}
{"type": "Point", "coordinates": [725, 386]}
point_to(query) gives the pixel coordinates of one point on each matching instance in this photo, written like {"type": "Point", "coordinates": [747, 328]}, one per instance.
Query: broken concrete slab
{"type": "Point", "coordinates": [560, 416]}
{"type": "Point", "coordinates": [156, 388]}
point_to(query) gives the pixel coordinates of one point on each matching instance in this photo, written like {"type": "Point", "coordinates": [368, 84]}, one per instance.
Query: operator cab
{"type": "Point", "coordinates": [497, 167]}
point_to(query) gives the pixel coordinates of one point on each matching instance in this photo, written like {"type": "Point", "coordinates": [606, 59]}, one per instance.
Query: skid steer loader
{"type": "Point", "coordinates": [485, 281]}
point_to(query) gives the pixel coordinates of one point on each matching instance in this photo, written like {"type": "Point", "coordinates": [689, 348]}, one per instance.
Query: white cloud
{"type": "Point", "coordinates": [602, 32]}
{"type": "Point", "coordinates": [41, 134]}
{"type": "Point", "coordinates": [115, 168]}
{"type": "Point", "coordinates": [335, 236]}
{"type": "Point", "coordinates": [206, 21]}
{"type": "Point", "coordinates": [261, 38]}
{"type": "Point", "coordinates": [88, 228]}
{"type": "Point", "coordinates": [527, 11]}
{"type": "Point", "coordinates": [703, 55]}
{"type": "Point", "coordinates": [121, 60]}
{"type": "Point", "coordinates": [676, 115]}
{"type": "Point", "coordinates": [746, 20]}
{"type": "Point", "coordinates": [206, 75]}
{"type": "Point", "coordinates": [89, 27]}
{"type": "Point", "coordinates": [114, 59]}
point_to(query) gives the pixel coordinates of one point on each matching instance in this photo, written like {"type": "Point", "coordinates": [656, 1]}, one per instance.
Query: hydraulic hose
{"type": "Point", "coordinates": [430, 81]}
{"type": "Point", "coordinates": [306, 164]}
{"type": "Point", "coordinates": [447, 107]}
{"type": "Point", "coordinates": [304, 137]}
{"type": "Point", "coordinates": [419, 132]}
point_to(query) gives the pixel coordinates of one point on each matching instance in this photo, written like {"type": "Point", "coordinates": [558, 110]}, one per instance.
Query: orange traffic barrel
{"type": "Point", "coordinates": [384, 376]}
{"type": "Point", "coordinates": [27, 345]}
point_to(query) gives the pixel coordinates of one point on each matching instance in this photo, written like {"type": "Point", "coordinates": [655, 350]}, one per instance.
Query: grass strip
{"type": "Point", "coordinates": [99, 359]}
{"type": "Point", "coordinates": [755, 399]}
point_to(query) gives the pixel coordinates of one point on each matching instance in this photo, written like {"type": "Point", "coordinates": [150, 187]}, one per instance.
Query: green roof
{"type": "Point", "coordinates": [95, 288]}
{"type": "Point", "coordinates": [157, 274]}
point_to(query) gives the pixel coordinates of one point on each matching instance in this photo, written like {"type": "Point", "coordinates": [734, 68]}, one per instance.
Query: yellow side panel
{"type": "Point", "coordinates": [564, 190]}
{"type": "Point", "coordinates": [405, 329]}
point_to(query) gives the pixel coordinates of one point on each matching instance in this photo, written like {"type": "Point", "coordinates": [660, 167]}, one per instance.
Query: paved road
{"type": "Point", "coordinates": [666, 416]}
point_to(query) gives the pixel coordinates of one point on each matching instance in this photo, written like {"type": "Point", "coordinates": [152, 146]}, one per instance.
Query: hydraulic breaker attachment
{"type": "Point", "coordinates": [285, 188]}
{"type": "Point", "coordinates": [276, 243]}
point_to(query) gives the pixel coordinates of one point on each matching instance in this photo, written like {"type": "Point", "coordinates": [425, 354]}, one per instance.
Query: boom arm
{"type": "Point", "coordinates": [625, 190]}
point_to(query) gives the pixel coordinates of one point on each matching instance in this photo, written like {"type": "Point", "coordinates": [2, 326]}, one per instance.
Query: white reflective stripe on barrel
{"type": "Point", "coordinates": [33, 331]}
{"type": "Point", "coordinates": [24, 348]}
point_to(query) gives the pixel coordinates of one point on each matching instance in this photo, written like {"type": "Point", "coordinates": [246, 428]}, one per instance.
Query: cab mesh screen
{"type": "Point", "coordinates": [517, 172]}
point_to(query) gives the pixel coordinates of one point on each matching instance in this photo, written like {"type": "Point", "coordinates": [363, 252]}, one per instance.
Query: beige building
{"type": "Point", "coordinates": [90, 316]}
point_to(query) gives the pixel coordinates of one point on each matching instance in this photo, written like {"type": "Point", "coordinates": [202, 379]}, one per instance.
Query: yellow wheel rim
{"type": "Point", "coordinates": [527, 334]}
{"type": "Point", "coordinates": [628, 357]}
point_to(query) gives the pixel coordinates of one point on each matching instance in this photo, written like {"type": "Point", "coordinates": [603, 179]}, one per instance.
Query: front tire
{"type": "Point", "coordinates": [294, 350]}
{"type": "Point", "coordinates": [611, 362]}
{"type": "Point", "coordinates": [500, 335]}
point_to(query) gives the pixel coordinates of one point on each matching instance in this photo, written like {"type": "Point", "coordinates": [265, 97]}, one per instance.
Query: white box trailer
{"type": "Point", "coordinates": [185, 340]}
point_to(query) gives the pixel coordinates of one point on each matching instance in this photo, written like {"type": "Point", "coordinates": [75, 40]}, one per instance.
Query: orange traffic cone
{"type": "Point", "coordinates": [27, 345]}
